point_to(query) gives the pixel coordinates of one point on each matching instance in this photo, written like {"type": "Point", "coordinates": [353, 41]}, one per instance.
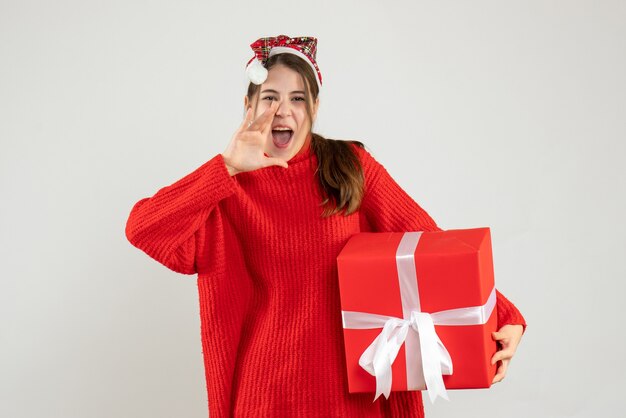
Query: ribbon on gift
{"type": "Point", "coordinates": [427, 359]}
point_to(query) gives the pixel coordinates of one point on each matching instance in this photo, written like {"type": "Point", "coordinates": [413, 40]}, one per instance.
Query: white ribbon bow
{"type": "Point", "coordinates": [427, 359]}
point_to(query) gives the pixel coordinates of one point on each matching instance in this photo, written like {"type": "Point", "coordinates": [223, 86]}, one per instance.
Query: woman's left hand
{"type": "Point", "coordinates": [508, 338]}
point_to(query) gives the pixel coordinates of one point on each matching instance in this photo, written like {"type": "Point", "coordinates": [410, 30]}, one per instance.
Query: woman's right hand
{"type": "Point", "coordinates": [246, 149]}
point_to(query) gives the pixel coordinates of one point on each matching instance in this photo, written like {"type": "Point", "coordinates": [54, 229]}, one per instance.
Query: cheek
{"type": "Point", "coordinates": [303, 118]}
{"type": "Point", "coordinates": [263, 104]}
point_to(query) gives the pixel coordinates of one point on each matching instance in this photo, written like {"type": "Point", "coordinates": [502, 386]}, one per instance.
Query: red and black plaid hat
{"type": "Point", "coordinates": [305, 47]}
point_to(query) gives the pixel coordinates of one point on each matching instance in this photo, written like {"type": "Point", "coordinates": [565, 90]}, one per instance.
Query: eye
{"type": "Point", "coordinates": [299, 99]}
{"type": "Point", "coordinates": [269, 98]}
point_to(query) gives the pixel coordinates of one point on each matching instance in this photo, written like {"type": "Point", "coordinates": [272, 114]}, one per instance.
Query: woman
{"type": "Point", "coordinates": [262, 224]}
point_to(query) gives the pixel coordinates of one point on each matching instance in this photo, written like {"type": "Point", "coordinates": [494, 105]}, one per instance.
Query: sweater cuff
{"type": "Point", "coordinates": [216, 178]}
{"type": "Point", "coordinates": [508, 314]}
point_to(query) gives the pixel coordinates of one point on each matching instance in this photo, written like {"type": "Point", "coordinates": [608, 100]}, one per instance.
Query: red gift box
{"type": "Point", "coordinates": [427, 296]}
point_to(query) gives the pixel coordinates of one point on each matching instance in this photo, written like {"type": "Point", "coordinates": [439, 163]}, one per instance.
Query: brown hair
{"type": "Point", "coordinates": [339, 172]}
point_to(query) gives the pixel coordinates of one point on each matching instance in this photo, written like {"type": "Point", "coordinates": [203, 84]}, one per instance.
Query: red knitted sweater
{"type": "Point", "coordinates": [267, 280]}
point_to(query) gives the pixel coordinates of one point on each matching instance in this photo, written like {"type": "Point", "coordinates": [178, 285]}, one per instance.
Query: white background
{"type": "Point", "coordinates": [507, 114]}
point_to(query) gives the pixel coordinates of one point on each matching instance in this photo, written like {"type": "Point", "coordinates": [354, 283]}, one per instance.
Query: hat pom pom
{"type": "Point", "coordinates": [256, 72]}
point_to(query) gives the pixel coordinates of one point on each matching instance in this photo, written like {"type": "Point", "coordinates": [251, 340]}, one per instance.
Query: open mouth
{"type": "Point", "coordinates": [282, 137]}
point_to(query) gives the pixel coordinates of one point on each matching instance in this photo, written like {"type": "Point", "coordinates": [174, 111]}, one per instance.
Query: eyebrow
{"type": "Point", "coordinates": [275, 92]}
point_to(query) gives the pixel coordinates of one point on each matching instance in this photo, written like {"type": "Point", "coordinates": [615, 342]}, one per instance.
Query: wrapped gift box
{"type": "Point", "coordinates": [447, 274]}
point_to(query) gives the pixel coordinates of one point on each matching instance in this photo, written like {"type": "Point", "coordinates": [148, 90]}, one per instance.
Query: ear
{"type": "Point", "coordinates": [245, 102]}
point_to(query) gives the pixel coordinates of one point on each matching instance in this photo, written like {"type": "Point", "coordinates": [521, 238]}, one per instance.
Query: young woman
{"type": "Point", "coordinates": [262, 224]}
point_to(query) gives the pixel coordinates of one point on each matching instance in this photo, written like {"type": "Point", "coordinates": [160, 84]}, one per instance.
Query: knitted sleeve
{"type": "Point", "coordinates": [388, 208]}
{"type": "Point", "coordinates": [171, 226]}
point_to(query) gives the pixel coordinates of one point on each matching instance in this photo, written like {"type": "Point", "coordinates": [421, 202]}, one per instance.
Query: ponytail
{"type": "Point", "coordinates": [339, 173]}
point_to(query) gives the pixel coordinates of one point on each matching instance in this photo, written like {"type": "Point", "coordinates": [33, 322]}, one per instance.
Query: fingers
{"type": "Point", "coordinates": [265, 129]}
{"type": "Point", "coordinates": [508, 343]}
{"type": "Point", "coordinates": [501, 372]}
{"type": "Point", "coordinates": [502, 339]}
{"type": "Point", "coordinates": [502, 355]}
{"type": "Point", "coordinates": [276, 161]}
{"type": "Point", "coordinates": [264, 122]}
{"type": "Point", "coordinates": [510, 332]}
{"type": "Point", "coordinates": [247, 120]}
{"type": "Point", "coordinates": [498, 335]}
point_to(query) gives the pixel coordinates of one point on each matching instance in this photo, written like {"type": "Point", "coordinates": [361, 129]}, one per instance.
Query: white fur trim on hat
{"type": "Point", "coordinates": [256, 72]}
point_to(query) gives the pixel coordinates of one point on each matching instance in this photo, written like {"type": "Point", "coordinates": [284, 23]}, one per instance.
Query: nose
{"type": "Point", "coordinates": [283, 108]}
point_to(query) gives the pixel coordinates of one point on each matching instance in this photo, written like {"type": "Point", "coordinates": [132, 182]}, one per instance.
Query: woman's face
{"type": "Point", "coordinates": [291, 123]}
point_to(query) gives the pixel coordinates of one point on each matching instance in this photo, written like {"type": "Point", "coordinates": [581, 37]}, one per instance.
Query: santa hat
{"type": "Point", "coordinates": [305, 47]}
